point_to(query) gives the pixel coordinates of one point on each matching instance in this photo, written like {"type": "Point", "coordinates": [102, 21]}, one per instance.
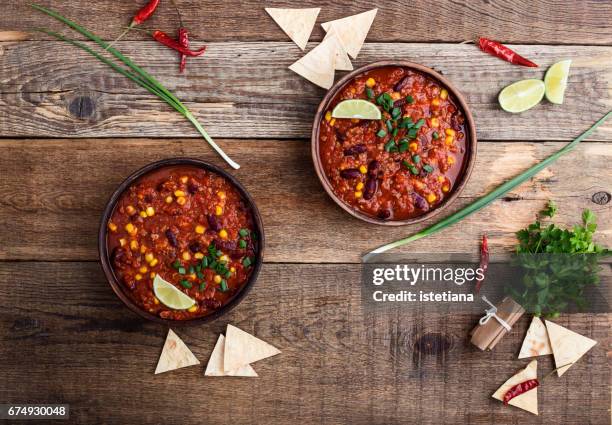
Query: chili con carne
{"type": "Point", "coordinates": [499, 50]}
{"type": "Point", "coordinates": [519, 389]}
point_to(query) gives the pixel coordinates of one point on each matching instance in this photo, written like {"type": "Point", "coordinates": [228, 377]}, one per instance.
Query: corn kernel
{"type": "Point", "coordinates": [440, 179]}
{"type": "Point", "coordinates": [224, 259]}
{"type": "Point", "coordinates": [143, 269]}
{"type": "Point", "coordinates": [370, 82]}
{"type": "Point", "coordinates": [445, 188]}
{"type": "Point", "coordinates": [354, 120]}
{"type": "Point", "coordinates": [435, 102]}
{"type": "Point", "coordinates": [232, 269]}
{"type": "Point", "coordinates": [358, 194]}
{"type": "Point", "coordinates": [122, 242]}
{"type": "Point", "coordinates": [149, 257]}
{"type": "Point", "coordinates": [217, 278]}
{"type": "Point", "coordinates": [112, 226]}
{"type": "Point", "coordinates": [150, 211]}
{"type": "Point", "coordinates": [199, 229]}
{"type": "Point", "coordinates": [448, 140]}
{"type": "Point", "coordinates": [130, 210]}
{"type": "Point", "coordinates": [131, 229]}
{"type": "Point", "coordinates": [450, 132]}
{"type": "Point", "coordinates": [134, 245]}
{"type": "Point", "coordinates": [223, 234]}
{"type": "Point", "coordinates": [443, 94]}
{"type": "Point", "coordinates": [218, 210]}
{"type": "Point", "coordinates": [192, 276]}
{"type": "Point", "coordinates": [431, 198]}
{"type": "Point", "coordinates": [138, 276]}
{"type": "Point", "coordinates": [186, 256]}
{"type": "Point", "coordinates": [435, 122]}
{"type": "Point", "coordinates": [152, 275]}
{"type": "Point", "coordinates": [413, 146]}
{"type": "Point", "coordinates": [359, 186]}
{"type": "Point", "coordinates": [450, 160]}
{"type": "Point", "coordinates": [193, 308]}
{"type": "Point", "coordinates": [154, 262]}
{"type": "Point", "coordinates": [332, 122]}
{"type": "Point", "coordinates": [198, 255]}
{"type": "Point", "coordinates": [143, 249]}
{"type": "Point", "coordinates": [363, 169]}
{"type": "Point", "coordinates": [155, 301]}
{"type": "Point", "coordinates": [169, 199]}
{"type": "Point", "coordinates": [395, 95]}
{"type": "Point", "coordinates": [327, 116]}
{"type": "Point", "coordinates": [184, 179]}
{"type": "Point", "coordinates": [181, 200]}
{"type": "Point", "coordinates": [143, 214]}
{"type": "Point", "coordinates": [179, 193]}
{"type": "Point", "coordinates": [221, 194]}
{"type": "Point", "coordinates": [418, 184]}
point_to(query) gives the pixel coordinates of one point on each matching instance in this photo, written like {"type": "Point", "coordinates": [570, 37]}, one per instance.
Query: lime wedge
{"type": "Point", "coordinates": [171, 296]}
{"type": "Point", "coordinates": [556, 81]}
{"type": "Point", "coordinates": [356, 108]}
{"type": "Point", "coordinates": [522, 95]}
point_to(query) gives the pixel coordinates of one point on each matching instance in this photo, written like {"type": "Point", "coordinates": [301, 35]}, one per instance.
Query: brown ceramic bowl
{"type": "Point", "coordinates": [105, 257]}
{"type": "Point", "coordinates": [469, 157]}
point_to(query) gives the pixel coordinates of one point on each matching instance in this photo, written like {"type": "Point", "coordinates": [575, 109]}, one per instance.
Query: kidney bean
{"type": "Point", "coordinates": [373, 167]}
{"type": "Point", "coordinates": [399, 102]}
{"type": "Point", "coordinates": [402, 83]}
{"type": "Point", "coordinates": [225, 246]}
{"type": "Point", "coordinates": [195, 246]}
{"type": "Point", "coordinates": [213, 223]}
{"type": "Point", "coordinates": [384, 214]}
{"type": "Point", "coordinates": [354, 150]}
{"type": "Point", "coordinates": [371, 185]}
{"type": "Point", "coordinates": [192, 188]}
{"type": "Point", "coordinates": [341, 137]}
{"type": "Point", "coordinates": [420, 202]}
{"type": "Point", "coordinates": [350, 173]}
{"type": "Point", "coordinates": [171, 238]}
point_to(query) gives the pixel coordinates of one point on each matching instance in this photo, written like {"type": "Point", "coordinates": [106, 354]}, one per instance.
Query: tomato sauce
{"type": "Point", "coordinates": [405, 164]}
{"type": "Point", "coordinates": [190, 226]}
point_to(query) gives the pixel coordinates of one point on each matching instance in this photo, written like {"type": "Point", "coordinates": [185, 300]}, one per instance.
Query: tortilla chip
{"type": "Point", "coordinates": [297, 23]}
{"type": "Point", "coordinates": [352, 30]}
{"type": "Point", "coordinates": [175, 354]}
{"type": "Point", "coordinates": [318, 65]}
{"type": "Point", "coordinates": [528, 400]}
{"type": "Point", "coordinates": [242, 349]}
{"type": "Point", "coordinates": [567, 346]}
{"type": "Point", "coordinates": [215, 364]}
{"type": "Point", "coordinates": [536, 341]}
{"type": "Point", "coordinates": [343, 62]}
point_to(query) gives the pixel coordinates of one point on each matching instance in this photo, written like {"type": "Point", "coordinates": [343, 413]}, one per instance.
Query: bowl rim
{"type": "Point", "coordinates": [104, 257]}
{"type": "Point", "coordinates": [469, 158]}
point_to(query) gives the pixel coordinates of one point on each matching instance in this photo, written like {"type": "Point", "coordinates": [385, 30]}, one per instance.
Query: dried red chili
{"type": "Point", "coordinates": [144, 13]}
{"type": "Point", "coordinates": [183, 38]}
{"type": "Point", "coordinates": [484, 261]}
{"type": "Point", "coordinates": [499, 50]}
{"type": "Point", "coordinates": [519, 389]}
{"type": "Point", "coordinates": [168, 41]}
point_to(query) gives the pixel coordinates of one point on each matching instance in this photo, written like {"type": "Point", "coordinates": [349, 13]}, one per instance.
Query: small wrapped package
{"type": "Point", "coordinates": [496, 323]}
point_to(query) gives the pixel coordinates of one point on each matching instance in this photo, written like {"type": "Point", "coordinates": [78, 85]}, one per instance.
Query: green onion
{"type": "Point", "coordinates": [242, 244]}
{"type": "Point", "coordinates": [139, 75]}
{"type": "Point", "coordinates": [223, 285]}
{"type": "Point", "coordinates": [181, 270]}
{"type": "Point", "coordinates": [403, 146]}
{"type": "Point", "coordinates": [176, 264]}
{"type": "Point", "coordinates": [428, 168]}
{"type": "Point", "coordinates": [389, 125]}
{"type": "Point", "coordinates": [381, 133]}
{"type": "Point", "coordinates": [186, 284]}
{"type": "Point", "coordinates": [435, 135]}
{"type": "Point", "coordinates": [416, 159]}
{"type": "Point", "coordinates": [204, 262]}
{"type": "Point", "coordinates": [246, 262]}
{"type": "Point", "coordinates": [396, 112]}
{"type": "Point", "coordinates": [419, 123]}
{"type": "Point", "coordinates": [490, 197]}
{"type": "Point", "coordinates": [200, 275]}
{"type": "Point", "coordinates": [369, 93]}
{"type": "Point", "coordinates": [412, 133]}
{"type": "Point", "coordinates": [202, 286]}
{"type": "Point", "coordinates": [390, 145]}
{"type": "Point", "coordinates": [395, 131]}
{"type": "Point", "coordinates": [191, 270]}
{"type": "Point", "coordinates": [409, 99]}
{"type": "Point", "coordinates": [243, 232]}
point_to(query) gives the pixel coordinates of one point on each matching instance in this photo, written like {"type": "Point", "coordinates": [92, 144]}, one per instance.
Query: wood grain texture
{"type": "Point", "coordinates": [62, 326]}
{"type": "Point", "coordinates": [521, 21]}
{"type": "Point", "coordinates": [53, 192]}
{"type": "Point", "coordinates": [240, 90]}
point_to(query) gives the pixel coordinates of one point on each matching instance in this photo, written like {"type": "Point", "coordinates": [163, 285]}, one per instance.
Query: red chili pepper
{"type": "Point", "coordinates": [497, 49]}
{"type": "Point", "coordinates": [168, 41]}
{"type": "Point", "coordinates": [519, 389]}
{"type": "Point", "coordinates": [484, 261]}
{"type": "Point", "coordinates": [145, 12]}
{"type": "Point", "coordinates": [183, 37]}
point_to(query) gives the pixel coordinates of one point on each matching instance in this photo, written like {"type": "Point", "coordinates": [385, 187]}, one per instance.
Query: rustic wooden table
{"type": "Point", "coordinates": [71, 130]}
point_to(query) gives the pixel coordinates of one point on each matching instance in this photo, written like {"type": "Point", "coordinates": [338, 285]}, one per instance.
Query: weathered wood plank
{"type": "Point", "coordinates": [339, 363]}
{"type": "Point", "coordinates": [52, 193]}
{"type": "Point", "coordinates": [522, 21]}
{"type": "Point", "coordinates": [246, 90]}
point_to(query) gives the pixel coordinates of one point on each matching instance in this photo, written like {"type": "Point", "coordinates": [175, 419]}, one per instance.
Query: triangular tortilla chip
{"type": "Point", "coordinates": [175, 355]}
{"type": "Point", "coordinates": [567, 346]}
{"type": "Point", "coordinates": [318, 65]}
{"type": "Point", "coordinates": [352, 30]}
{"type": "Point", "coordinates": [242, 348]}
{"type": "Point", "coordinates": [215, 364]}
{"type": "Point", "coordinates": [297, 23]}
{"type": "Point", "coordinates": [527, 401]}
{"type": "Point", "coordinates": [343, 62]}
{"type": "Point", "coordinates": [536, 341]}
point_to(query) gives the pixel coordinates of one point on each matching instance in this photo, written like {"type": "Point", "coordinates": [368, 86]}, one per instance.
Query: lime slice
{"type": "Point", "coordinates": [171, 296]}
{"type": "Point", "coordinates": [356, 108]}
{"type": "Point", "coordinates": [522, 95]}
{"type": "Point", "coordinates": [556, 81]}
